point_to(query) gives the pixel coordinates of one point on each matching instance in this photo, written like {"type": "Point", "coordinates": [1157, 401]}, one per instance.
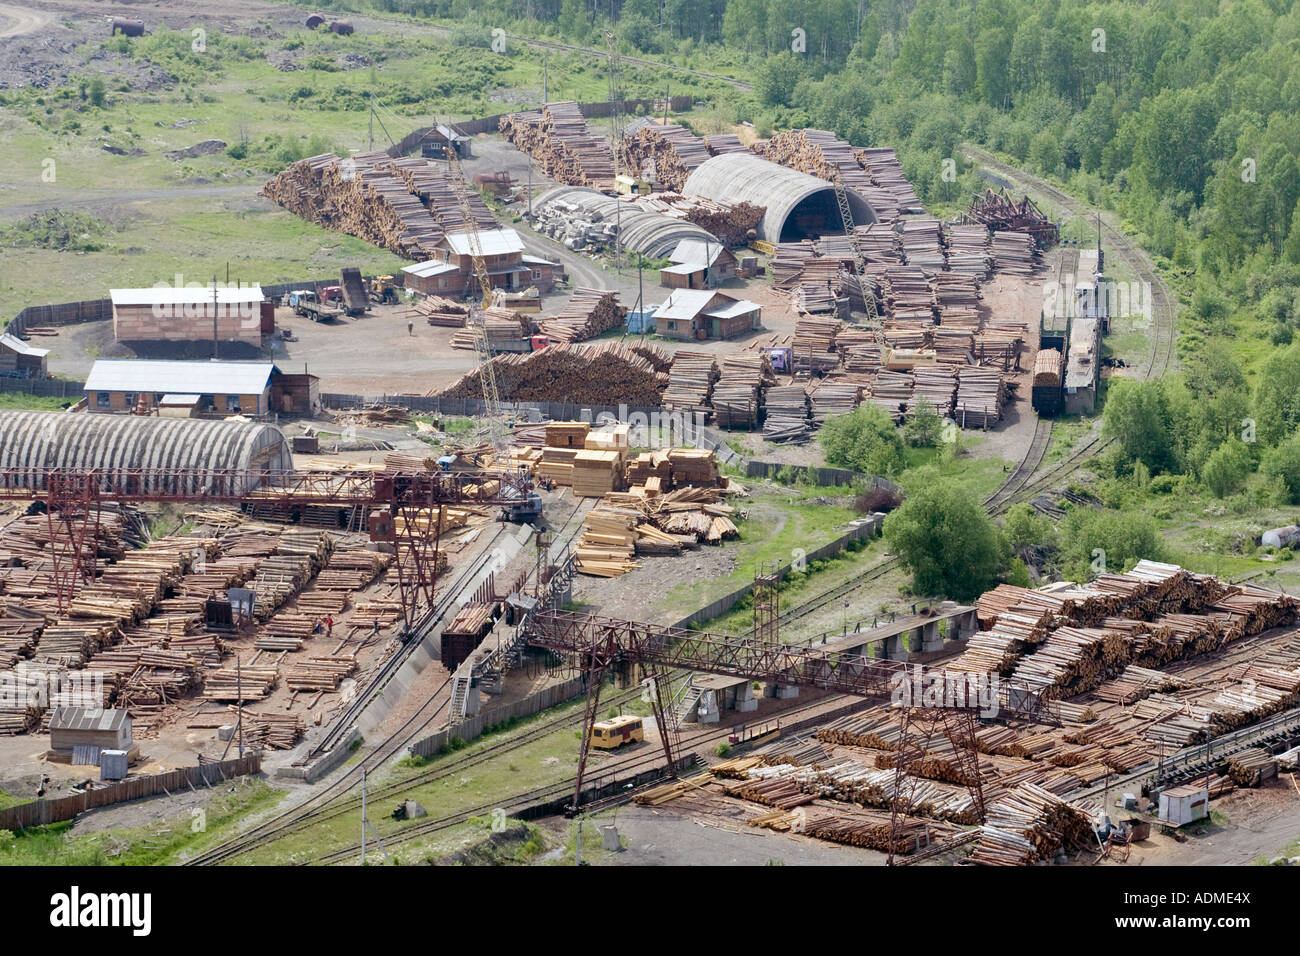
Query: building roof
{"type": "Point", "coordinates": [89, 718]}
{"type": "Point", "coordinates": [169, 295]}
{"type": "Point", "coordinates": [430, 268]}
{"type": "Point", "coordinates": [650, 233]}
{"type": "Point", "coordinates": [492, 242]}
{"type": "Point", "coordinates": [685, 303]}
{"type": "Point", "coordinates": [185, 400]}
{"type": "Point", "coordinates": [538, 261]}
{"type": "Point", "coordinates": [726, 310]}
{"type": "Point", "coordinates": [744, 177]}
{"type": "Point", "coordinates": [696, 253]}
{"type": "Point", "coordinates": [210, 378]}
{"type": "Point", "coordinates": [15, 344]}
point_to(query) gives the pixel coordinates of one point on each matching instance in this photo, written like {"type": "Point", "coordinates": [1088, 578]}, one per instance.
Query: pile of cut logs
{"type": "Point", "coordinates": [738, 393]}
{"type": "Point", "coordinates": [690, 380]}
{"type": "Point", "coordinates": [587, 314]}
{"type": "Point", "coordinates": [443, 312]}
{"type": "Point", "coordinates": [605, 374]}
{"type": "Point", "coordinates": [557, 137]}
{"type": "Point", "coordinates": [674, 151]}
{"type": "Point", "coordinates": [786, 415]}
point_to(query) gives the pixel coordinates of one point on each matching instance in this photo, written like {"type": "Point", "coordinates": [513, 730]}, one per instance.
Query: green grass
{"type": "Point", "coordinates": [8, 800]}
{"type": "Point", "coordinates": [151, 845]}
{"type": "Point", "coordinates": [44, 403]}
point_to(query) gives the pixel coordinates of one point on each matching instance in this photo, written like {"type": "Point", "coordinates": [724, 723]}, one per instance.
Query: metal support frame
{"type": "Point", "coordinates": [71, 517]}
{"type": "Point", "coordinates": [767, 602]}
{"type": "Point", "coordinates": [922, 726]}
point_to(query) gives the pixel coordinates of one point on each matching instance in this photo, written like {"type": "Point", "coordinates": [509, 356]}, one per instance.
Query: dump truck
{"type": "Point", "coordinates": [307, 303]}
{"type": "Point", "coordinates": [353, 289]}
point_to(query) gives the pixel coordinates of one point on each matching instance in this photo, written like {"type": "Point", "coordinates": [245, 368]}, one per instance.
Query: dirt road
{"type": "Point", "coordinates": [16, 21]}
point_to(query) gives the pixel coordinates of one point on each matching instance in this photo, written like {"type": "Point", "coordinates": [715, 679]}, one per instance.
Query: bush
{"type": "Point", "coordinates": [864, 440]}
{"type": "Point", "coordinates": [1283, 463]}
{"type": "Point", "coordinates": [1227, 468]}
{"type": "Point", "coordinates": [943, 536]}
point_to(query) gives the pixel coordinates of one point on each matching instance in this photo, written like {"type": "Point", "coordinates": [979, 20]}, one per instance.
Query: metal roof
{"type": "Point", "coordinates": [16, 344]}
{"type": "Point", "coordinates": [209, 378]}
{"type": "Point", "coordinates": [652, 234]}
{"type": "Point", "coordinates": [685, 303]}
{"type": "Point", "coordinates": [170, 295]}
{"type": "Point", "coordinates": [431, 267]}
{"type": "Point", "coordinates": [696, 253]}
{"type": "Point", "coordinates": [728, 310]}
{"type": "Point", "coordinates": [89, 718]}
{"type": "Point", "coordinates": [744, 177]}
{"type": "Point", "coordinates": [492, 242]}
{"type": "Point", "coordinates": [37, 442]}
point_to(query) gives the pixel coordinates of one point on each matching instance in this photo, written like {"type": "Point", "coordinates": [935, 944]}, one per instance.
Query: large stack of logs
{"type": "Point", "coordinates": [1013, 253]}
{"type": "Point", "coordinates": [981, 393]}
{"type": "Point", "coordinates": [557, 137]}
{"type": "Point", "coordinates": [672, 151]}
{"type": "Point", "coordinates": [404, 205]}
{"type": "Point", "coordinates": [690, 380]}
{"type": "Point", "coordinates": [786, 415]}
{"type": "Point", "coordinates": [605, 374]}
{"type": "Point", "coordinates": [1031, 824]}
{"type": "Point", "coordinates": [738, 393]}
{"type": "Point", "coordinates": [587, 314]}
{"type": "Point", "coordinates": [442, 312]}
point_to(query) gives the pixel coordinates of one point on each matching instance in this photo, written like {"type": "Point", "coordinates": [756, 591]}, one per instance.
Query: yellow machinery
{"type": "Point", "coordinates": [904, 360]}
{"type": "Point", "coordinates": [626, 185]}
{"type": "Point", "coordinates": [617, 731]}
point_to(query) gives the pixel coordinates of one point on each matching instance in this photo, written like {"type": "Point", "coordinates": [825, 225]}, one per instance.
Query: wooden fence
{"type": "Point", "coordinates": [40, 812]}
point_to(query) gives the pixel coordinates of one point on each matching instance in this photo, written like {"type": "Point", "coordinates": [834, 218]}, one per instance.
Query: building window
{"type": "Point", "coordinates": [672, 326]}
{"type": "Point", "coordinates": [232, 403]}
{"type": "Point", "coordinates": [102, 400]}
{"type": "Point", "coordinates": [442, 283]}
{"type": "Point", "coordinates": [207, 402]}
{"type": "Point", "coordinates": [537, 273]}
{"type": "Point", "coordinates": [130, 399]}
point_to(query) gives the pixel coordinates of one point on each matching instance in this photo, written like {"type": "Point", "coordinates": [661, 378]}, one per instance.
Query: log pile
{"type": "Point", "coordinates": [786, 417]}
{"type": "Point", "coordinates": [738, 392]}
{"type": "Point", "coordinates": [936, 384]}
{"type": "Point", "coordinates": [404, 205]}
{"type": "Point", "coordinates": [981, 393]}
{"type": "Point", "coordinates": [787, 263]}
{"type": "Point", "coordinates": [1029, 824]}
{"type": "Point", "coordinates": [891, 191]}
{"type": "Point", "coordinates": [832, 398]}
{"type": "Point", "coordinates": [557, 137]}
{"type": "Point", "coordinates": [605, 374]}
{"type": "Point", "coordinates": [587, 314]}
{"type": "Point", "coordinates": [442, 312]}
{"type": "Point", "coordinates": [673, 151]}
{"type": "Point", "coordinates": [690, 380]}
{"type": "Point", "coordinates": [732, 223]}
{"type": "Point", "coordinates": [1013, 253]}
{"type": "Point", "coordinates": [968, 250]}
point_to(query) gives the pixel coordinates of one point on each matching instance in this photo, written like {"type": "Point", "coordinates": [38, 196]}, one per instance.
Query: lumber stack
{"type": "Point", "coordinates": [607, 373]}
{"type": "Point", "coordinates": [587, 314]}
{"type": "Point", "coordinates": [596, 472]}
{"type": "Point", "coordinates": [787, 264]}
{"type": "Point", "coordinates": [936, 384]}
{"type": "Point", "coordinates": [442, 312]}
{"type": "Point", "coordinates": [1047, 369]}
{"type": "Point", "coordinates": [607, 546]}
{"type": "Point", "coordinates": [506, 331]}
{"type": "Point", "coordinates": [1029, 824]}
{"type": "Point", "coordinates": [1013, 253]}
{"type": "Point", "coordinates": [891, 193]}
{"type": "Point", "coordinates": [968, 250]}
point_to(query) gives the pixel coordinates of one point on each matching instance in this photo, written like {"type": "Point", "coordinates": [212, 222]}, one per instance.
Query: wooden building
{"type": "Point", "coordinates": [199, 389]}
{"type": "Point", "coordinates": [702, 314]}
{"type": "Point", "coordinates": [698, 265]}
{"type": "Point", "coordinates": [72, 728]}
{"type": "Point", "coordinates": [186, 315]}
{"type": "Point", "coordinates": [438, 138]}
{"type": "Point", "coordinates": [451, 271]}
{"type": "Point", "coordinates": [20, 360]}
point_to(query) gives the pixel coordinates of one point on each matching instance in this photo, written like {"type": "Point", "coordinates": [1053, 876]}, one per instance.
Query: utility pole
{"type": "Point", "coordinates": [372, 122]}
{"type": "Point", "coordinates": [668, 99]}
{"type": "Point", "coordinates": [239, 692]}
{"type": "Point", "coordinates": [214, 319]}
{"type": "Point", "coordinates": [530, 185]}
{"type": "Point", "coordinates": [545, 87]}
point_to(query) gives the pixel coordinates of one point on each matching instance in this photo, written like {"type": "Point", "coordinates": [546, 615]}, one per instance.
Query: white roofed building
{"type": "Point", "coordinates": [185, 314]}
{"type": "Point", "coordinates": [451, 272]}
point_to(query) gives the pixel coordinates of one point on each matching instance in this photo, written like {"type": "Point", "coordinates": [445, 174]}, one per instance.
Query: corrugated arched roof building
{"type": "Point", "coordinates": [40, 441]}
{"type": "Point", "coordinates": [798, 206]}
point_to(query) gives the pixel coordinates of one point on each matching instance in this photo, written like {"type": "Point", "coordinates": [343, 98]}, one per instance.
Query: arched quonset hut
{"type": "Point", "coordinates": [652, 234]}
{"type": "Point", "coordinates": [798, 206]}
{"type": "Point", "coordinates": [33, 443]}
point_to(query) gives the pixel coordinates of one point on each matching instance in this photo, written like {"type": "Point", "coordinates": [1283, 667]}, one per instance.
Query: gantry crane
{"type": "Point", "coordinates": [859, 260]}
{"type": "Point", "coordinates": [476, 320]}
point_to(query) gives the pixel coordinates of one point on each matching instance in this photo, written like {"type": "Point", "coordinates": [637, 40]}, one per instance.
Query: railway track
{"type": "Point", "coordinates": [1028, 479]}
{"type": "Point", "coordinates": [334, 800]}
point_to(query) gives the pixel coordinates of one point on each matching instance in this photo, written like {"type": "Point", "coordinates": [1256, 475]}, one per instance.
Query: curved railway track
{"type": "Point", "coordinates": [1027, 480]}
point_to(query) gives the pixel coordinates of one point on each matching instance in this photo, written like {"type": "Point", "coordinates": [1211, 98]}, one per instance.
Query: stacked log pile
{"type": "Point", "coordinates": [406, 206]}
{"type": "Point", "coordinates": [936, 384]}
{"type": "Point", "coordinates": [832, 398]}
{"type": "Point", "coordinates": [786, 416]}
{"type": "Point", "coordinates": [505, 331]}
{"type": "Point", "coordinates": [690, 380]}
{"type": "Point", "coordinates": [981, 393]}
{"type": "Point", "coordinates": [587, 314]}
{"type": "Point", "coordinates": [605, 374]}
{"type": "Point", "coordinates": [738, 392]}
{"type": "Point", "coordinates": [674, 151]}
{"type": "Point", "coordinates": [891, 194]}
{"type": "Point", "coordinates": [968, 250]}
{"type": "Point", "coordinates": [817, 152]}
{"type": "Point", "coordinates": [722, 143]}
{"type": "Point", "coordinates": [442, 312]}
{"type": "Point", "coordinates": [557, 137]}
{"type": "Point", "coordinates": [787, 264]}
{"type": "Point", "coordinates": [1030, 824]}
{"type": "Point", "coordinates": [922, 245]}
{"type": "Point", "coordinates": [732, 223]}
{"type": "Point", "coordinates": [1013, 253]}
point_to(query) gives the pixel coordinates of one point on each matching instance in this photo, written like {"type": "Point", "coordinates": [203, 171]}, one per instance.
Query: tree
{"type": "Point", "coordinates": [1099, 542]}
{"type": "Point", "coordinates": [1283, 462]}
{"type": "Point", "coordinates": [1227, 468]}
{"type": "Point", "coordinates": [944, 538]}
{"type": "Point", "coordinates": [925, 427]}
{"type": "Point", "coordinates": [1135, 417]}
{"type": "Point", "coordinates": [864, 440]}
{"type": "Point", "coordinates": [1025, 527]}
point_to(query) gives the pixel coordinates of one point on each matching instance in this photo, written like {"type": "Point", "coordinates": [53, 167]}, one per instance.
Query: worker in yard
{"type": "Point", "coordinates": [410, 327]}
{"type": "Point", "coordinates": [375, 632]}
{"type": "Point", "coordinates": [329, 626]}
